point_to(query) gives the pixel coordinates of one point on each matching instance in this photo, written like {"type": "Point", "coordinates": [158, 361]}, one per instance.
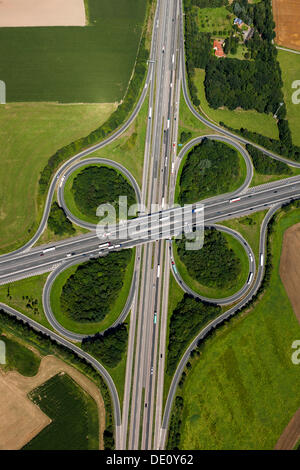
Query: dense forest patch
{"type": "Point", "coordinates": [89, 293]}
{"type": "Point", "coordinates": [108, 347]}
{"type": "Point", "coordinates": [96, 185]}
{"type": "Point", "coordinates": [210, 169]}
{"type": "Point", "coordinates": [215, 265]}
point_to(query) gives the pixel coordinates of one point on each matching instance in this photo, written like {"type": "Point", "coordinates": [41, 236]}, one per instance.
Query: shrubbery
{"type": "Point", "coordinates": [108, 347]}
{"type": "Point", "coordinates": [58, 221]}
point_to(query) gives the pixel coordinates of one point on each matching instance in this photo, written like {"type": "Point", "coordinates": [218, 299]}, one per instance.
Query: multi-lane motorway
{"type": "Point", "coordinates": [144, 421]}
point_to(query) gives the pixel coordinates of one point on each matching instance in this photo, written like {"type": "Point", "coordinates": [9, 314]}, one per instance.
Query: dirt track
{"type": "Point", "coordinates": [290, 266]}
{"type": "Point", "coordinates": [16, 13]}
{"type": "Point", "coordinates": [287, 18]}
{"type": "Point", "coordinates": [290, 435]}
{"type": "Point", "coordinates": [21, 420]}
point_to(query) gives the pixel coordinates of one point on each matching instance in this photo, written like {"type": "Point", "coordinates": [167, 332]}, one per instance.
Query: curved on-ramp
{"type": "Point", "coordinates": [93, 161]}
{"type": "Point", "coordinates": [214, 323]}
{"type": "Point", "coordinates": [234, 297]}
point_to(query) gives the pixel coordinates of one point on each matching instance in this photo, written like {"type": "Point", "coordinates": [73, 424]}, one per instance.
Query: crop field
{"type": "Point", "coordinates": [290, 69]}
{"type": "Point", "coordinates": [74, 416]}
{"type": "Point", "coordinates": [287, 18]}
{"type": "Point", "coordinates": [29, 135]}
{"type": "Point", "coordinates": [90, 64]}
{"type": "Point", "coordinates": [251, 120]}
{"type": "Point", "coordinates": [244, 389]}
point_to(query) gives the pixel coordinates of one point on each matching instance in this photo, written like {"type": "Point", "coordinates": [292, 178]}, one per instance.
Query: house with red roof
{"type": "Point", "coordinates": [218, 48]}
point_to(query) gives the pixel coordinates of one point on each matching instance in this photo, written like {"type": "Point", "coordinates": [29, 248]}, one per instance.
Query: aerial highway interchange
{"type": "Point", "coordinates": [143, 422]}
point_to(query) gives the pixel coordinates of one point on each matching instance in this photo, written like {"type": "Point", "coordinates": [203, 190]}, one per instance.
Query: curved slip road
{"type": "Point", "coordinates": [245, 287]}
{"type": "Point", "coordinates": [51, 316]}
{"type": "Point", "coordinates": [214, 323]}
{"type": "Point", "coordinates": [115, 135]}
{"type": "Point", "coordinates": [90, 359]}
{"type": "Point", "coordinates": [206, 121]}
{"type": "Point", "coordinates": [93, 161]}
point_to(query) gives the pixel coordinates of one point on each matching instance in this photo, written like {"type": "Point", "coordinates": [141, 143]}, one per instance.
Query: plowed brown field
{"type": "Point", "coordinates": [287, 18]}
{"type": "Point", "coordinates": [290, 266]}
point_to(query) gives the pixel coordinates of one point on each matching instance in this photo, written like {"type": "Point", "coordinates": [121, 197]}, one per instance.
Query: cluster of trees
{"type": "Point", "coordinates": [198, 47]}
{"type": "Point", "coordinates": [231, 44]}
{"type": "Point", "coordinates": [186, 320]}
{"type": "Point", "coordinates": [89, 293]}
{"type": "Point", "coordinates": [46, 345]}
{"type": "Point", "coordinates": [113, 122]}
{"type": "Point", "coordinates": [58, 221]}
{"type": "Point", "coordinates": [274, 145]}
{"type": "Point", "coordinates": [96, 185]}
{"type": "Point", "coordinates": [108, 347]}
{"type": "Point", "coordinates": [242, 83]}
{"type": "Point", "coordinates": [185, 136]}
{"type": "Point", "coordinates": [215, 265]}
{"type": "Point", "coordinates": [205, 174]}
{"type": "Point", "coordinates": [266, 165]}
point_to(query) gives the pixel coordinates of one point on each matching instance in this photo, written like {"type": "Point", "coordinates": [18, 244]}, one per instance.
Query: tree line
{"type": "Point", "coordinates": [89, 293]}
{"type": "Point", "coordinates": [46, 345]}
{"type": "Point", "coordinates": [266, 165]}
{"type": "Point", "coordinates": [186, 321]}
{"type": "Point", "coordinates": [112, 123]}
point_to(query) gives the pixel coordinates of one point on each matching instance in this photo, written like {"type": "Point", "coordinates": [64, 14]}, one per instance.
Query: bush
{"type": "Point", "coordinates": [58, 221]}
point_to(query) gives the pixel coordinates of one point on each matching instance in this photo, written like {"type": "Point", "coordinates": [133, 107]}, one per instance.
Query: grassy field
{"type": "Point", "coordinates": [89, 64]}
{"type": "Point", "coordinates": [129, 148]}
{"type": "Point", "coordinates": [218, 21]}
{"type": "Point", "coordinates": [74, 416]}
{"type": "Point", "coordinates": [19, 358]}
{"type": "Point", "coordinates": [250, 231]}
{"type": "Point", "coordinates": [89, 328]}
{"type": "Point", "coordinates": [214, 292]}
{"type": "Point", "coordinates": [243, 390]}
{"type": "Point", "coordinates": [29, 134]}
{"type": "Point", "coordinates": [290, 68]}
{"type": "Point", "coordinates": [189, 123]}
{"type": "Point", "coordinates": [252, 120]}
{"type": "Point", "coordinates": [26, 296]}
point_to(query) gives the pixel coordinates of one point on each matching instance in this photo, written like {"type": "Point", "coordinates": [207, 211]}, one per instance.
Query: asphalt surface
{"type": "Point", "coordinates": [213, 324]}
{"type": "Point", "coordinates": [231, 298]}
{"type": "Point", "coordinates": [28, 261]}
